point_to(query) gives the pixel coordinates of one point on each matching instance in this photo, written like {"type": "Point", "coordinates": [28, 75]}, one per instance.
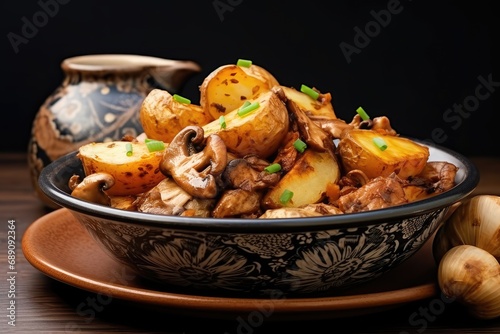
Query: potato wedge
{"type": "Point", "coordinates": [162, 117]}
{"type": "Point", "coordinates": [133, 174]}
{"type": "Point", "coordinates": [403, 156]}
{"type": "Point", "coordinates": [309, 179]}
{"type": "Point", "coordinates": [228, 86]}
{"type": "Point", "coordinates": [307, 104]}
{"type": "Point", "coordinates": [259, 132]}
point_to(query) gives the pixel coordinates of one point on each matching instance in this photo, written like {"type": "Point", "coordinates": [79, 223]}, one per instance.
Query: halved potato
{"type": "Point", "coordinates": [403, 156]}
{"type": "Point", "coordinates": [322, 107]}
{"type": "Point", "coordinates": [309, 179]}
{"type": "Point", "coordinates": [133, 174]}
{"type": "Point", "coordinates": [162, 117]}
{"type": "Point", "coordinates": [259, 132]}
{"type": "Point", "coordinates": [228, 86]}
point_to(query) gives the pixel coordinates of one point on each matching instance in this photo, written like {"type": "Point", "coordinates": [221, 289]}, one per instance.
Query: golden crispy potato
{"type": "Point", "coordinates": [162, 117]}
{"type": "Point", "coordinates": [259, 132]}
{"type": "Point", "coordinates": [228, 86]}
{"type": "Point", "coordinates": [133, 174]}
{"type": "Point", "coordinates": [322, 107]}
{"type": "Point", "coordinates": [403, 156]}
{"type": "Point", "coordinates": [308, 180]}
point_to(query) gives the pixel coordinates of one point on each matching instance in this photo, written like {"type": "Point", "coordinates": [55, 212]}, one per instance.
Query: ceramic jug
{"type": "Point", "coordinates": [98, 100]}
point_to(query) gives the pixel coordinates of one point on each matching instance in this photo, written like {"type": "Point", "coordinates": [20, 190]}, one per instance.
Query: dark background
{"type": "Point", "coordinates": [428, 58]}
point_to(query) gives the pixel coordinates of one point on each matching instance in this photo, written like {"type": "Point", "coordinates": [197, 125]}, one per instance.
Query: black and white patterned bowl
{"type": "Point", "coordinates": [313, 256]}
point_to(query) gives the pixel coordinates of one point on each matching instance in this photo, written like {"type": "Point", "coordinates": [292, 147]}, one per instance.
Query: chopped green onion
{"type": "Point", "coordinates": [128, 148]}
{"type": "Point", "coordinates": [286, 196]}
{"type": "Point", "coordinates": [273, 168]}
{"type": "Point", "coordinates": [380, 143]}
{"type": "Point", "coordinates": [363, 114]}
{"type": "Point", "coordinates": [222, 122]}
{"type": "Point", "coordinates": [181, 99]}
{"type": "Point", "coordinates": [248, 107]}
{"type": "Point", "coordinates": [300, 145]}
{"type": "Point", "coordinates": [309, 91]}
{"type": "Point", "coordinates": [244, 63]}
{"type": "Point", "coordinates": [154, 145]}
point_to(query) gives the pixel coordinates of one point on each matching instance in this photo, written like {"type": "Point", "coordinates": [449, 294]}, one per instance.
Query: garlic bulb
{"type": "Point", "coordinates": [475, 222]}
{"type": "Point", "coordinates": [471, 275]}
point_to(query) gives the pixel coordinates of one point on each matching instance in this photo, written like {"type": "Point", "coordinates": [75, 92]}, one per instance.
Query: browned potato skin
{"type": "Point", "coordinates": [229, 86]}
{"type": "Point", "coordinates": [162, 117]}
{"type": "Point", "coordinates": [260, 132]}
{"type": "Point", "coordinates": [309, 180]}
{"type": "Point", "coordinates": [403, 156]}
{"type": "Point", "coordinates": [133, 175]}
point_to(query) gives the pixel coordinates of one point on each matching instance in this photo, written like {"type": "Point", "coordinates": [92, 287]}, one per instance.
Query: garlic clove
{"type": "Point", "coordinates": [475, 222]}
{"type": "Point", "coordinates": [471, 276]}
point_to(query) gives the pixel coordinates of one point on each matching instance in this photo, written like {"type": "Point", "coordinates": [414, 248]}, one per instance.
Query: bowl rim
{"type": "Point", "coordinates": [259, 225]}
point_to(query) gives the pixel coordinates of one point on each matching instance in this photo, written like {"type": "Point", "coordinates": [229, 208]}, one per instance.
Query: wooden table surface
{"type": "Point", "coordinates": [44, 305]}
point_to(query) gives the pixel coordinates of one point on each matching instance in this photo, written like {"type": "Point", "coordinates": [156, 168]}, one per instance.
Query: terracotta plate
{"type": "Point", "coordinates": [57, 245]}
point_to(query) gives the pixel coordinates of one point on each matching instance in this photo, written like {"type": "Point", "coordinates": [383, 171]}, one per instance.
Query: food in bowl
{"type": "Point", "coordinates": [304, 217]}
{"type": "Point", "coordinates": [249, 149]}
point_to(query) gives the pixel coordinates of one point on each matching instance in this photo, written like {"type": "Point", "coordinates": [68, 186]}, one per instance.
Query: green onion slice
{"type": "Point", "coordinates": [286, 196]}
{"type": "Point", "coordinates": [248, 107]}
{"type": "Point", "coordinates": [273, 168]}
{"type": "Point", "coordinates": [128, 148]}
{"type": "Point", "coordinates": [309, 91]}
{"type": "Point", "coordinates": [300, 145]}
{"type": "Point", "coordinates": [363, 114]}
{"type": "Point", "coordinates": [245, 104]}
{"type": "Point", "coordinates": [380, 143]}
{"type": "Point", "coordinates": [154, 145]}
{"type": "Point", "coordinates": [181, 99]}
{"type": "Point", "coordinates": [222, 122]}
{"type": "Point", "coordinates": [244, 63]}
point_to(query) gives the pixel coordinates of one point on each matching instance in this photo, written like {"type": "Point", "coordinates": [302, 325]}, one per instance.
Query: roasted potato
{"type": "Point", "coordinates": [228, 86]}
{"type": "Point", "coordinates": [402, 156]}
{"type": "Point", "coordinates": [322, 107]}
{"type": "Point", "coordinates": [133, 174]}
{"type": "Point", "coordinates": [162, 117]}
{"type": "Point", "coordinates": [308, 180]}
{"type": "Point", "coordinates": [259, 132]}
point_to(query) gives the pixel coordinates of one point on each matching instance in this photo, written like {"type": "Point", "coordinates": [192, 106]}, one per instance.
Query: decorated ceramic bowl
{"type": "Point", "coordinates": [311, 256]}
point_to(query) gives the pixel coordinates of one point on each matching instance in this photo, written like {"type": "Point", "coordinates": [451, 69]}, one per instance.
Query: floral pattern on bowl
{"type": "Point", "coordinates": [299, 263]}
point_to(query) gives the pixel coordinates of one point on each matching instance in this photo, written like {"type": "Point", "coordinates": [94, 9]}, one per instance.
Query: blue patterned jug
{"type": "Point", "coordinates": [98, 100]}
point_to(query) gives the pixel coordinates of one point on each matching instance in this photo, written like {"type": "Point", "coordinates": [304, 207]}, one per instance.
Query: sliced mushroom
{"type": "Point", "coordinates": [337, 127]}
{"type": "Point", "coordinates": [353, 180]}
{"type": "Point", "coordinates": [237, 202]}
{"type": "Point", "coordinates": [92, 187]}
{"type": "Point", "coordinates": [314, 136]}
{"type": "Point", "coordinates": [287, 154]}
{"type": "Point", "coordinates": [193, 171]}
{"type": "Point", "coordinates": [441, 173]}
{"type": "Point", "coordinates": [334, 127]}
{"type": "Point", "coordinates": [382, 124]}
{"type": "Point", "coordinates": [239, 173]}
{"type": "Point", "coordinates": [437, 177]}
{"type": "Point", "coordinates": [167, 198]}
{"type": "Point", "coordinates": [380, 192]}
